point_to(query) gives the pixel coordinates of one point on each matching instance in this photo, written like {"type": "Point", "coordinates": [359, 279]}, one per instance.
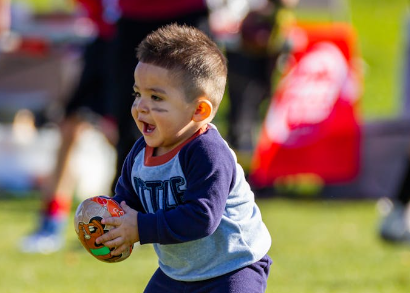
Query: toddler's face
{"type": "Point", "coordinates": [160, 109]}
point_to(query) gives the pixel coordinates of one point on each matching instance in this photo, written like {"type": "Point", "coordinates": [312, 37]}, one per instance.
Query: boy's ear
{"type": "Point", "coordinates": [203, 110]}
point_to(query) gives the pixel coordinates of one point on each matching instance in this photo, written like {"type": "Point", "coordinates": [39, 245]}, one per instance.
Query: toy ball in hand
{"type": "Point", "coordinates": [87, 222]}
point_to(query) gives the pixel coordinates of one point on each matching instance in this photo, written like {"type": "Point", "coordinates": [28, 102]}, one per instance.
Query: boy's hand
{"type": "Point", "coordinates": [125, 231]}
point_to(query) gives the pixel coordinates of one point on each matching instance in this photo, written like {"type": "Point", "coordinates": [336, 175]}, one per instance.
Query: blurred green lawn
{"type": "Point", "coordinates": [380, 28]}
{"type": "Point", "coordinates": [381, 32]}
{"type": "Point", "coordinates": [318, 246]}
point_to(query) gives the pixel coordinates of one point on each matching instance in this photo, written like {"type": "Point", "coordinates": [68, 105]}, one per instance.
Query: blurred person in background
{"type": "Point", "coordinates": [90, 104]}
{"type": "Point", "coordinates": [252, 60]}
{"type": "Point", "coordinates": [106, 87]}
{"type": "Point", "coordinates": [4, 16]}
{"type": "Point", "coordinates": [395, 226]}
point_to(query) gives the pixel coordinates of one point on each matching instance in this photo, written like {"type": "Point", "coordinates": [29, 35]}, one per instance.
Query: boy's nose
{"type": "Point", "coordinates": [141, 106]}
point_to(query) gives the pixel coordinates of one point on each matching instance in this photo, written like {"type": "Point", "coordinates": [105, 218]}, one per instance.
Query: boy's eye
{"type": "Point", "coordinates": [136, 94]}
{"type": "Point", "coordinates": [156, 98]}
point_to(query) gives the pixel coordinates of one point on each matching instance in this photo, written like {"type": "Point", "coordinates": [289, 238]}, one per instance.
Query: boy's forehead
{"type": "Point", "coordinates": [147, 73]}
{"type": "Point", "coordinates": [147, 67]}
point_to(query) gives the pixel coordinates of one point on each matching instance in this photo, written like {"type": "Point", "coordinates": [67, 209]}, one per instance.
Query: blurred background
{"type": "Point", "coordinates": [40, 65]}
{"type": "Point", "coordinates": [325, 187]}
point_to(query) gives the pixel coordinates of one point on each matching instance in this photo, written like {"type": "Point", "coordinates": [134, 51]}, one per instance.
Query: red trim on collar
{"type": "Point", "coordinates": [150, 160]}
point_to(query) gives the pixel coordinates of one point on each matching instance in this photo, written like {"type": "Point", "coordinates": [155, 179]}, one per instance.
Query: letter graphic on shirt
{"type": "Point", "coordinates": [154, 188]}
{"type": "Point", "coordinates": [139, 188]}
{"type": "Point", "coordinates": [176, 192]}
{"type": "Point", "coordinates": [156, 194]}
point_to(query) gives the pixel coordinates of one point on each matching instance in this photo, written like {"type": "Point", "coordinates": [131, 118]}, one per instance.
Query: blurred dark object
{"type": "Point", "coordinates": [258, 28]}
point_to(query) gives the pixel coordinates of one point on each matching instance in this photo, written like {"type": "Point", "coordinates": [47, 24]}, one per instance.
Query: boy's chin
{"type": "Point", "coordinates": [151, 142]}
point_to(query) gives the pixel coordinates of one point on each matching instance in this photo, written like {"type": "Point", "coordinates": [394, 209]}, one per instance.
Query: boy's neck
{"type": "Point", "coordinates": [154, 151]}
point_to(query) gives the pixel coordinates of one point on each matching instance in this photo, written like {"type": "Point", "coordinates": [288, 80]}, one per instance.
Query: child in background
{"type": "Point", "coordinates": [89, 105]}
{"type": "Point", "coordinates": [181, 187]}
{"type": "Point", "coordinates": [395, 225]}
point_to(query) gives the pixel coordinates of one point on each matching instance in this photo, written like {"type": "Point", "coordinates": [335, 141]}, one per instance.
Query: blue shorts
{"type": "Point", "coordinates": [250, 279]}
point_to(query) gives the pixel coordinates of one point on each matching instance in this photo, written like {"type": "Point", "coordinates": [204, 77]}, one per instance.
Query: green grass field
{"type": "Point", "coordinates": [318, 246]}
{"type": "Point", "coordinates": [380, 26]}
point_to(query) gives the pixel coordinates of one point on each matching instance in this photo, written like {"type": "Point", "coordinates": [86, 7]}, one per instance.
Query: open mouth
{"type": "Point", "coordinates": [148, 128]}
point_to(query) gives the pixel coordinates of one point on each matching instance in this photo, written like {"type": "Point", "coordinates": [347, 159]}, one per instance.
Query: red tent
{"type": "Point", "coordinates": [311, 126]}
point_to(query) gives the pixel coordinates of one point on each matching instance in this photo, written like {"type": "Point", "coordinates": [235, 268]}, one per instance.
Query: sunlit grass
{"type": "Point", "coordinates": [332, 246]}
{"type": "Point", "coordinates": [318, 246]}
{"type": "Point", "coordinates": [47, 6]}
{"type": "Point", "coordinates": [381, 38]}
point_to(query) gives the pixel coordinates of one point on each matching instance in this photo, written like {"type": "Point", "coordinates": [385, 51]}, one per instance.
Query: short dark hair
{"type": "Point", "coordinates": [194, 57]}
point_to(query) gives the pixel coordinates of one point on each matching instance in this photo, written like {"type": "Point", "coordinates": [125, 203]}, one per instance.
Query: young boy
{"type": "Point", "coordinates": [181, 187]}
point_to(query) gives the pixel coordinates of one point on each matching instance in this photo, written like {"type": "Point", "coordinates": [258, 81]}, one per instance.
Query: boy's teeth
{"type": "Point", "coordinates": [150, 128]}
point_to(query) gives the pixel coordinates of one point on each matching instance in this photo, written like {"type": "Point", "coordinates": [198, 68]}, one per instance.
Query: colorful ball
{"type": "Point", "coordinates": [87, 223]}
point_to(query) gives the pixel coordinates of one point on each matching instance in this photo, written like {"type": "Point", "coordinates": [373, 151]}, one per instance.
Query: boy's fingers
{"type": "Point", "coordinates": [125, 207]}
{"type": "Point", "coordinates": [112, 243]}
{"type": "Point", "coordinates": [113, 221]}
{"type": "Point", "coordinates": [119, 250]}
{"type": "Point", "coordinates": [107, 237]}
{"type": "Point", "coordinates": [102, 239]}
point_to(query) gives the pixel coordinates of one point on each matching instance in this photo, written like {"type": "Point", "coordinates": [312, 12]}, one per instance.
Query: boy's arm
{"type": "Point", "coordinates": [210, 175]}
{"type": "Point", "coordinates": [126, 232]}
{"type": "Point", "coordinates": [124, 190]}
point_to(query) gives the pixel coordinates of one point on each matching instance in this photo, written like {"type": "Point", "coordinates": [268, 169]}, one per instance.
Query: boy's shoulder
{"type": "Point", "coordinates": [208, 145]}
{"type": "Point", "coordinates": [209, 139]}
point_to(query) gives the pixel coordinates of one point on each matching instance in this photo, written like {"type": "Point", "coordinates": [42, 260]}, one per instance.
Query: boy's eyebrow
{"type": "Point", "coordinates": [161, 91]}
{"type": "Point", "coordinates": [157, 90]}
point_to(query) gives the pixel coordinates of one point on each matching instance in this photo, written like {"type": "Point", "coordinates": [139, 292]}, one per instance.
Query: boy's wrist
{"type": "Point", "coordinates": [146, 226]}
{"type": "Point", "coordinates": [137, 229]}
